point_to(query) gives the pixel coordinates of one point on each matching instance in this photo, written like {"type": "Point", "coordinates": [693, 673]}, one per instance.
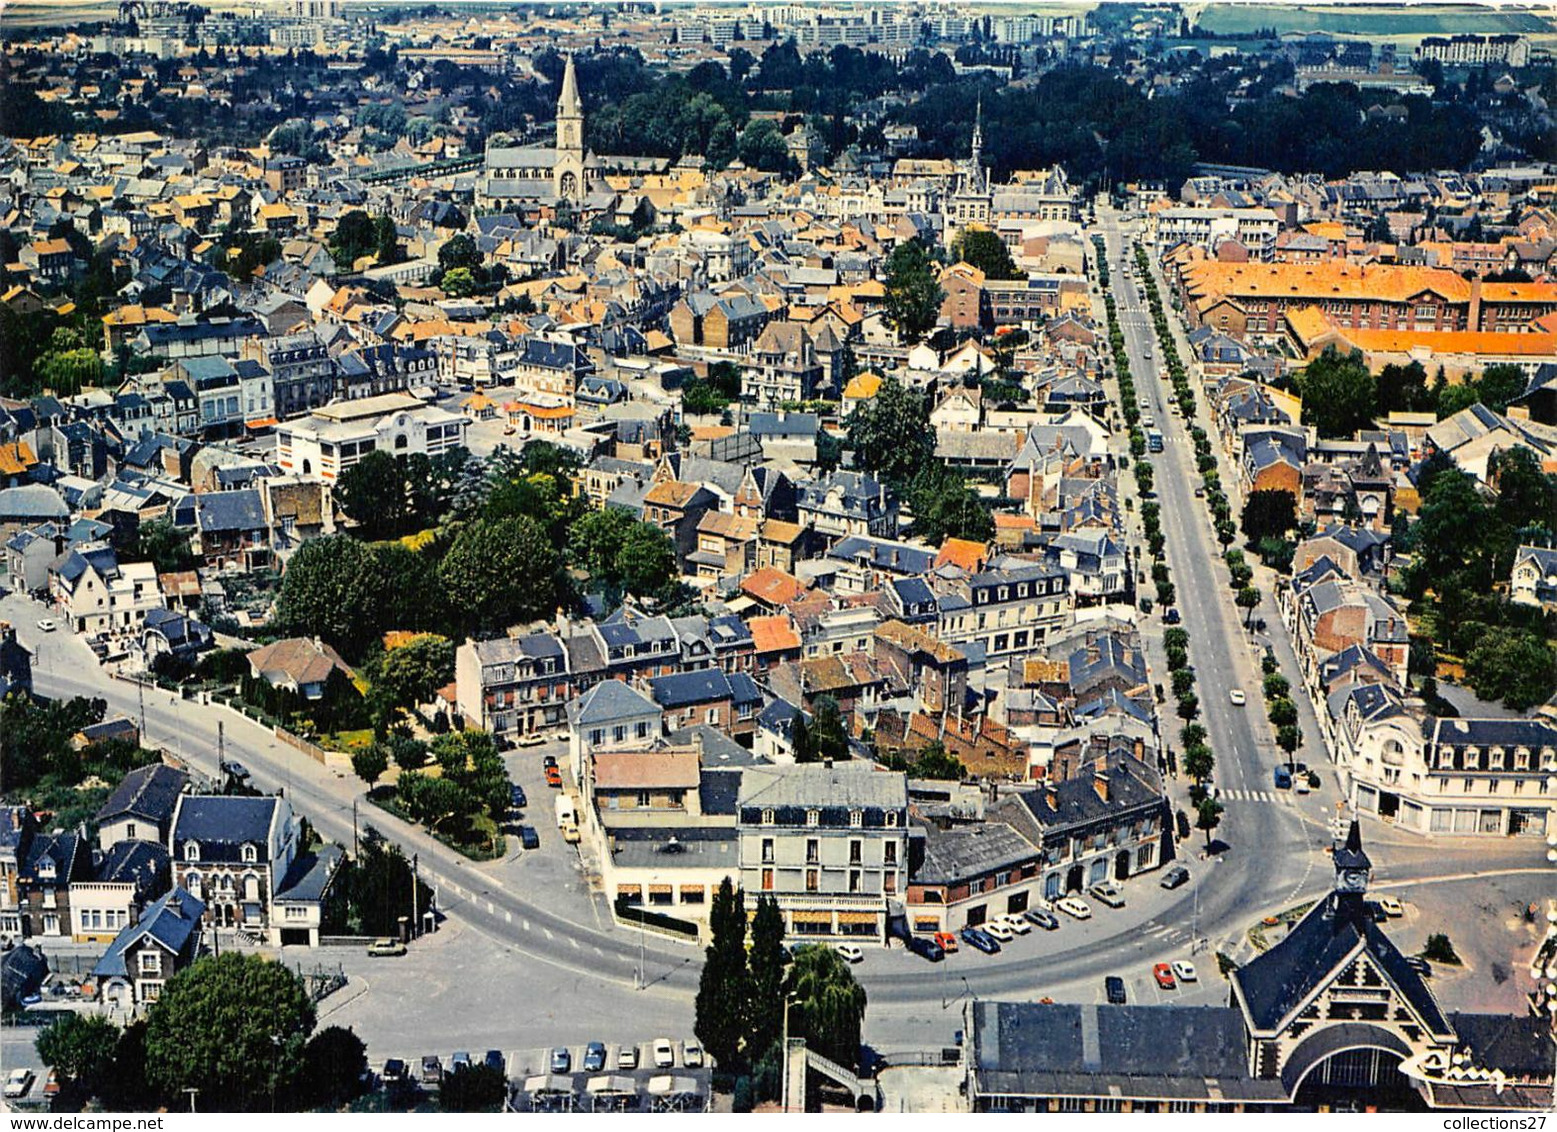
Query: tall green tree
{"type": "Point", "coordinates": [374, 494]}
{"type": "Point", "coordinates": [1208, 815]}
{"type": "Point", "coordinates": [1269, 513]}
{"type": "Point", "coordinates": [158, 541]}
{"type": "Point", "coordinates": [1499, 384]}
{"type": "Point", "coordinates": [985, 250]}
{"type": "Point", "coordinates": [945, 506]}
{"type": "Point", "coordinates": [1512, 665]}
{"type": "Point", "coordinates": [473, 1088]}
{"type": "Point", "coordinates": [80, 1047]}
{"type": "Point", "coordinates": [913, 295]}
{"type": "Point", "coordinates": [829, 1008]}
{"type": "Point", "coordinates": [232, 1026]}
{"type": "Point", "coordinates": [333, 588]}
{"type": "Point", "coordinates": [724, 989]}
{"type": "Point", "coordinates": [501, 572]}
{"type": "Point", "coordinates": [1339, 394]}
{"type": "Point", "coordinates": [646, 561]}
{"type": "Point", "coordinates": [334, 1063]}
{"type": "Point", "coordinates": [410, 673]}
{"type": "Point", "coordinates": [890, 434]}
{"type": "Point", "coordinates": [767, 960]}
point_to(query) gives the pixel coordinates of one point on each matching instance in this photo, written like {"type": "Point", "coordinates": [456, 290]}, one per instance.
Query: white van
{"type": "Point", "coordinates": [565, 812]}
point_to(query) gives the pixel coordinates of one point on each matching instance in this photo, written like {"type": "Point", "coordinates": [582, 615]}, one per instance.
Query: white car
{"type": "Point", "coordinates": [691, 1055]}
{"type": "Point", "coordinates": [1238, 698]}
{"type": "Point", "coordinates": [1184, 971]}
{"type": "Point", "coordinates": [998, 929]}
{"type": "Point", "coordinates": [18, 1083]}
{"type": "Point", "coordinates": [851, 953]}
{"type": "Point", "coordinates": [1108, 893]}
{"type": "Point", "coordinates": [1079, 909]}
{"type": "Point", "coordinates": [48, 625]}
{"type": "Point", "coordinates": [1017, 924]}
{"type": "Point", "coordinates": [664, 1053]}
{"type": "Point", "coordinates": [1391, 907]}
{"type": "Point", "coordinates": [627, 1057]}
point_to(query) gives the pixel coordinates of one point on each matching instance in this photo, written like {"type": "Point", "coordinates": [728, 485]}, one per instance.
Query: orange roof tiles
{"type": "Point", "coordinates": [963, 553]}
{"type": "Point", "coordinates": [774, 634]}
{"type": "Point", "coordinates": [770, 585]}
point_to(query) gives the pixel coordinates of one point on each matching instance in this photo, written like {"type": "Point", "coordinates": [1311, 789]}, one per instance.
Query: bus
{"type": "Point", "coordinates": [1154, 441]}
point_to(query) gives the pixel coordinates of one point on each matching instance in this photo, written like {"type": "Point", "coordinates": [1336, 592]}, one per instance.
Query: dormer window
{"type": "Point", "coordinates": [856, 819]}
{"type": "Point", "coordinates": [767, 817]}
{"type": "Point", "coordinates": [813, 818]}
{"type": "Point", "coordinates": [191, 851]}
{"type": "Point", "coordinates": [891, 819]}
{"type": "Point", "coordinates": [250, 854]}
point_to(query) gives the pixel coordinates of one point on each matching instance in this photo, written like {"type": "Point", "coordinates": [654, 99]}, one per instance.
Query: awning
{"type": "Point", "coordinates": [261, 422]}
{"type": "Point", "coordinates": [804, 917]}
{"type": "Point", "coordinates": [549, 1083]}
{"type": "Point", "coordinates": [693, 890]}
{"type": "Point", "coordinates": [856, 917]}
{"type": "Point", "coordinates": [660, 890]}
{"type": "Point", "coordinates": [611, 1084]}
{"type": "Point", "coordinates": [630, 891]}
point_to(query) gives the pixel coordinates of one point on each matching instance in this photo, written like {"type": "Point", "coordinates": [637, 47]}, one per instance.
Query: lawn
{"type": "Point", "coordinates": [476, 837]}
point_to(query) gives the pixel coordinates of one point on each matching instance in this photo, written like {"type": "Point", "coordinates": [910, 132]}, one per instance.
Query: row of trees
{"type": "Point", "coordinates": [1341, 395]}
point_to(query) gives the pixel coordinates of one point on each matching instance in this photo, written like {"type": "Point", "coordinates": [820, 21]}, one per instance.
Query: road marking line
{"type": "Point", "coordinates": [509, 916]}
{"type": "Point", "coordinates": [491, 910]}
{"type": "Point", "coordinates": [527, 925]}
{"type": "Point", "coordinates": [574, 942]}
{"type": "Point", "coordinates": [548, 933]}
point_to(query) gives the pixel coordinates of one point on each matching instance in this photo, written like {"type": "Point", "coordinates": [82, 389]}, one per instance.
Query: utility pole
{"type": "Point", "coordinates": [191, 1090]}
{"type": "Point", "coordinates": [354, 827]}
{"type": "Point", "coordinates": [140, 689]}
{"type": "Point", "coordinates": [416, 916]}
{"type": "Point", "coordinates": [221, 747]}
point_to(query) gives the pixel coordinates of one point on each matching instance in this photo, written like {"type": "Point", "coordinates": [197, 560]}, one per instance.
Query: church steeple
{"type": "Point", "coordinates": [568, 171]}
{"type": "Point", "coordinates": [1353, 869]}
{"type": "Point", "coordinates": [976, 158]}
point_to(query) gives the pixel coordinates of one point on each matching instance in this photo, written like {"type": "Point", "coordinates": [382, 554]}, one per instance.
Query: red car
{"type": "Point", "coordinates": [553, 776]}
{"type": "Point", "coordinates": [1164, 976]}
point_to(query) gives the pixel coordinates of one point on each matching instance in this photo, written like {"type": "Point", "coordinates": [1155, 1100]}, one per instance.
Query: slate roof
{"type": "Point", "coordinates": [240, 510]}
{"type": "Point", "coordinates": [1279, 980]}
{"type": "Point", "coordinates": [141, 863]}
{"type": "Point", "coordinates": [966, 851]}
{"type": "Point", "coordinates": [843, 784]}
{"type": "Point", "coordinates": [170, 921]}
{"type": "Point", "coordinates": [222, 821]}
{"type": "Point", "coordinates": [310, 875]}
{"type": "Point", "coordinates": [684, 689]}
{"type": "Point", "coordinates": [1076, 802]}
{"type": "Point", "coordinates": [609, 701]}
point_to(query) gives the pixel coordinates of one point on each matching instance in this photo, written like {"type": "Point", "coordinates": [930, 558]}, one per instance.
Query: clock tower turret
{"type": "Point", "coordinates": [1353, 869]}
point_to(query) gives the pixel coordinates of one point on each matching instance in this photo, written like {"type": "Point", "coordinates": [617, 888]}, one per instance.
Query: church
{"type": "Point", "coordinates": [564, 173]}
{"type": "Point", "coordinates": [1332, 1017]}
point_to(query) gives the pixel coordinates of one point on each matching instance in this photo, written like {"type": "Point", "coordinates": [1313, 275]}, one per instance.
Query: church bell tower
{"type": "Point", "coordinates": [568, 172]}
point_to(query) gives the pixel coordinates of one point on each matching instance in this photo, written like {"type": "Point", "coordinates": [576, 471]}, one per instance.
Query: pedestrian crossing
{"type": "Point", "coordinates": [1256, 796]}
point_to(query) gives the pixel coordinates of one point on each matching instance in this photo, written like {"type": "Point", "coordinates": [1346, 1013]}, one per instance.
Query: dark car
{"type": "Point", "coordinates": [528, 837]}
{"type": "Point", "coordinates": [1175, 876]}
{"type": "Point", "coordinates": [516, 797]}
{"type": "Point", "coordinates": [985, 942]}
{"type": "Point", "coordinates": [1171, 617]}
{"type": "Point", "coordinates": [494, 1060]}
{"type": "Point", "coordinates": [1114, 987]}
{"type": "Point", "coordinates": [549, 761]}
{"type": "Point", "coordinates": [1045, 920]}
{"type": "Point", "coordinates": [926, 948]}
{"type": "Point", "coordinates": [394, 1070]}
{"type": "Point", "coordinates": [594, 1057]}
{"type": "Point", "coordinates": [432, 1070]}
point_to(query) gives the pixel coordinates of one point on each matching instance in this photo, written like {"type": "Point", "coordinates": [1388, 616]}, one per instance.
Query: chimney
{"type": "Point", "coordinates": [1051, 791]}
{"type": "Point", "coordinates": [1473, 317]}
{"type": "Point", "coordinates": [1100, 779]}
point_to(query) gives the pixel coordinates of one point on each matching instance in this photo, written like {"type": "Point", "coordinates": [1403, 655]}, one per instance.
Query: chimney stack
{"type": "Point", "coordinates": [1100, 779]}
{"type": "Point", "coordinates": [1051, 790]}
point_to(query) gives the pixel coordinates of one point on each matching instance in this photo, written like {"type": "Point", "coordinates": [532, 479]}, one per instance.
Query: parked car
{"type": "Point", "coordinates": [1237, 697]}
{"type": "Point", "coordinates": [493, 1059]}
{"type": "Point", "coordinates": [570, 834]}
{"type": "Point", "coordinates": [1108, 893]}
{"type": "Point", "coordinates": [386, 947]}
{"type": "Point", "coordinates": [549, 761]}
{"type": "Point", "coordinates": [664, 1053]}
{"type": "Point", "coordinates": [561, 1060]}
{"type": "Point", "coordinates": [1175, 877]}
{"type": "Point", "coordinates": [1171, 617]}
{"type": "Point", "coordinates": [1015, 922]}
{"type": "Point", "coordinates": [1114, 988]}
{"type": "Point", "coordinates": [981, 940]}
{"type": "Point", "coordinates": [460, 1060]}
{"type": "Point", "coordinates": [394, 1070]}
{"type": "Point", "coordinates": [516, 797]}
{"type": "Point", "coordinates": [432, 1070]}
{"type": "Point", "coordinates": [998, 929]}
{"type": "Point", "coordinates": [1391, 906]}
{"type": "Point", "coordinates": [594, 1057]}
{"type": "Point", "coordinates": [850, 952]}
{"type": "Point", "coordinates": [1281, 778]}
{"type": "Point", "coordinates": [1164, 976]}
{"type": "Point", "coordinates": [528, 837]}
{"type": "Point", "coordinates": [1073, 906]}
{"type": "Point", "coordinates": [553, 777]}
{"type": "Point", "coordinates": [530, 739]}
{"type": "Point", "coordinates": [947, 941]}
{"type": "Point", "coordinates": [691, 1055]}
{"type": "Point", "coordinates": [18, 1083]}
{"type": "Point", "coordinates": [51, 1084]}
{"type": "Point", "coordinates": [1045, 920]}
{"type": "Point", "coordinates": [48, 625]}
{"type": "Point", "coordinates": [925, 948]}
{"type": "Point", "coordinates": [1300, 784]}
{"type": "Point", "coordinates": [1185, 972]}
{"type": "Point", "coordinates": [627, 1057]}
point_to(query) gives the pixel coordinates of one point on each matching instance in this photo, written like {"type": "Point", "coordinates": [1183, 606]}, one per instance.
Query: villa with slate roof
{"type": "Point", "coordinates": [149, 952]}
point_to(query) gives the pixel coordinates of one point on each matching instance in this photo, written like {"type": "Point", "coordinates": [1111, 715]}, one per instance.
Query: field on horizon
{"type": "Point", "coordinates": [1385, 21]}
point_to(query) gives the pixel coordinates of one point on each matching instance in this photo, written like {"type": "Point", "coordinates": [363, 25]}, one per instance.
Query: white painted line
{"type": "Point", "coordinates": [548, 933]}
{"type": "Point", "coordinates": [491, 910]}
{"type": "Point", "coordinates": [509, 916]}
{"type": "Point", "coordinates": [527, 925]}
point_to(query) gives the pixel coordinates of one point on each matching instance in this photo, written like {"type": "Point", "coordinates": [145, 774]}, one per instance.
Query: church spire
{"type": "Point", "coordinates": [568, 103]}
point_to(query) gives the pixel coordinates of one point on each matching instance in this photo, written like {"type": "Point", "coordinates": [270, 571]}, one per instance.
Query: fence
{"type": "Point", "coordinates": [299, 743]}
{"type": "Point", "coordinates": [659, 922]}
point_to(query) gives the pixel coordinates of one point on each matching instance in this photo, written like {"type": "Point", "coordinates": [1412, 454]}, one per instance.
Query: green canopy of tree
{"type": "Point", "coordinates": [332, 588]}
{"type": "Point", "coordinates": [767, 961]}
{"type": "Point", "coordinates": [913, 295]}
{"type": "Point", "coordinates": [501, 572]}
{"type": "Point", "coordinates": [373, 890]}
{"type": "Point", "coordinates": [983, 249]}
{"type": "Point", "coordinates": [1208, 815]}
{"type": "Point", "coordinates": [1512, 665]}
{"type": "Point", "coordinates": [823, 737]}
{"type": "Point", "coordinates": [81, 1048]}
{"type": "Point", "coordinates": [335, 1061]}
{"type": "Point", "coordinates": [410, 673]}
{"type": "Point", "coordinates": [473, 1088]}
{"type": "Point", "coordinates": [1270, 513]}
{"type": "Point", "coordinates": [890, 434]}
{"type": "Point", "coordinates": [1339, 394]}
{"type": "Point", "coordinates": [158, 541]}
{"type": "Point", "coordinates": [829, 1008]}
{"type": "Point", "coordinates": [233, 1026]}
{"type": "Point", "coordinates": [724, 988]}
{"type": "Point", "coordinates": [945, 506]}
